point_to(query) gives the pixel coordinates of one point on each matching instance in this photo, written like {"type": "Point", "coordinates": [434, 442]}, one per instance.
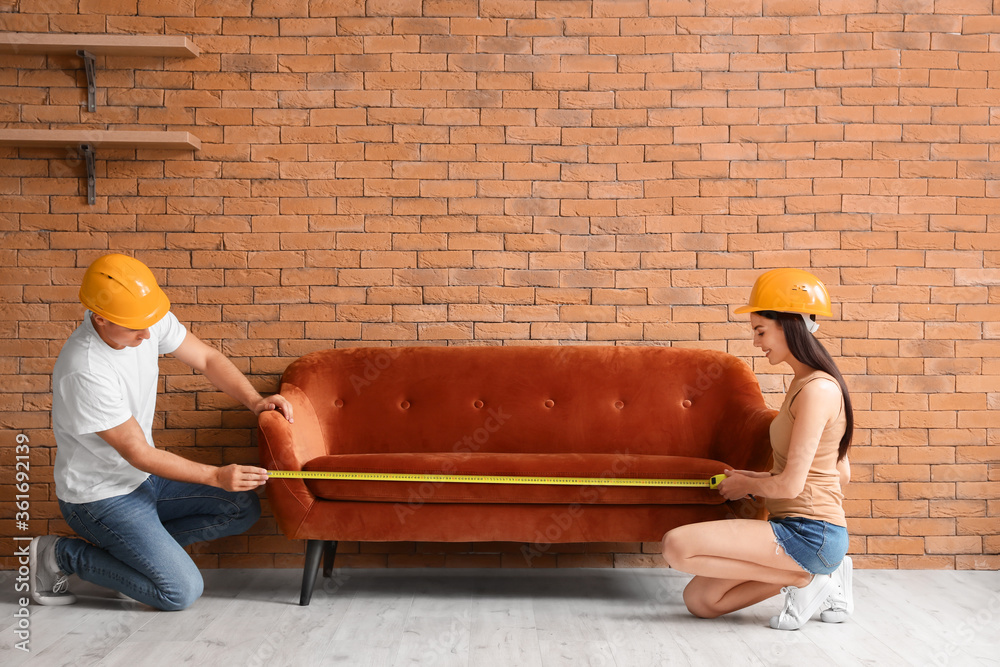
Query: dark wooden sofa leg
{"type": "Point", "coordinates": [314, 551]}
{"type": "Point", "coordinates": [329, 553]}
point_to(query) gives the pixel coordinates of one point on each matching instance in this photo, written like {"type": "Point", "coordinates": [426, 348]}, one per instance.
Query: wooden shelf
{"type": "Point", "coordinates": [87, 47]}
{"type": "Point", "coordinates": [87, 141]}
{"type": "Point", "coordinates": [175, 140]}
{"type": "Point", "coordinates": [177, 46]}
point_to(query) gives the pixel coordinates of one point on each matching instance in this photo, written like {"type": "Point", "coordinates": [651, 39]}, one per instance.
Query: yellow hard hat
{"type": "Point", "coordinates": [123, 290]}
{"type": "Point", "coordinates": [789, 291]}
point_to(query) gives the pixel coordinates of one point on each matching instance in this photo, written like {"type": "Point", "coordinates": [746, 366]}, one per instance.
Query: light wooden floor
{"type": "Point", "coordinates": [587, 617]}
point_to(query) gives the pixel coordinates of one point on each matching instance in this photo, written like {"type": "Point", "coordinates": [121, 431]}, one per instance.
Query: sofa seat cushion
{"type": "Point", "coordinates": [521, 465]}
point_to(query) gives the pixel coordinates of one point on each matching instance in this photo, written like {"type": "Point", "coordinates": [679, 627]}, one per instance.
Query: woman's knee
{"type": "Point", "coordinates": [697, 603]}
{"type": "Point", "coordinates": [673, 548]}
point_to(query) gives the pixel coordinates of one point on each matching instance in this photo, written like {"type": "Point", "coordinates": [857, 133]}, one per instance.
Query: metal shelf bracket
{"type": "Point", "coordinates": [89, 63]}
{"type": "Point", "coordinates": [87, 151]}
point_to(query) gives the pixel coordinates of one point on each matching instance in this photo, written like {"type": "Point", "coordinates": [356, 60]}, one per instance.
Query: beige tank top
{"type": "Point", "coordinates": [821, 498]}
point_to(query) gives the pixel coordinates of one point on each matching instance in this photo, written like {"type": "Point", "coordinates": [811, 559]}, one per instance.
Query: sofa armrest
{"type": "Point", "coordinates": [756, 433]}
{"type": "Point", "coordinates": [743, 438]}
{"type": "Point", "coordinates": [289, 446]}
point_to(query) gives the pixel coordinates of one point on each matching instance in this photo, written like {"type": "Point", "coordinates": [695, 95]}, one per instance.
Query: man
{"type": "Point", "coordinates": [135, 506]}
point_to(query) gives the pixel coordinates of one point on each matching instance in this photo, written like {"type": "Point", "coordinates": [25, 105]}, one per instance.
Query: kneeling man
{"type": "Point", "coordinates": [136, 507]}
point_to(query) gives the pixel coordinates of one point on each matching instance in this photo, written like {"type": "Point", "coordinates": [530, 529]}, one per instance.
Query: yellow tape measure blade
{"type": "Point", "coordinates": [712, 483]}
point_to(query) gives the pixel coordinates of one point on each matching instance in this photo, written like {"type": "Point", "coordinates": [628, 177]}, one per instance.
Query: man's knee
{"type": "Point", "coordinates": [244, 513]}
{"type": "Point", "coordinates": [182, 593]}
{"type": "Point", "coordinates": [251, 508]}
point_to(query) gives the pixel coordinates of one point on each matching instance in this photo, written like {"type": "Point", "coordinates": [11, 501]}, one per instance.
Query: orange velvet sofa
{"type": "Point", "coordinates": [561, 411]}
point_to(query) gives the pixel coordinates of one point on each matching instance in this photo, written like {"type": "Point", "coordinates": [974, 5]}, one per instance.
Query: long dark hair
{"type": "Point", "coordinates": [807, 349]}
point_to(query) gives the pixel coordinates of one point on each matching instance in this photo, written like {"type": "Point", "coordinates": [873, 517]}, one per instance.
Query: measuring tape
{"type": "Point", "coordinates": [711, 483]}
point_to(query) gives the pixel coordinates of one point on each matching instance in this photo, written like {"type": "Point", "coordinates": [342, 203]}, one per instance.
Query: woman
{"type": "Point", "coordinates": [740, 562]}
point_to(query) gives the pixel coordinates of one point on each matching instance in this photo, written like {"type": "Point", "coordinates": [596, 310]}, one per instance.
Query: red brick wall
{"type": "Point", "coordinates": [453, 172]}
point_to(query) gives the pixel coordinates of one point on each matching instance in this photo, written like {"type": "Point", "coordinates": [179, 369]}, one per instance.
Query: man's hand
{"type": "Point", "coordinates": [235, 477]}
{"type": "Point", "coordinates": [129, 440]}
{"type": "Point", "coordinates": [226, 377]}
{"type": "Point", "coordinates": [275, 402]}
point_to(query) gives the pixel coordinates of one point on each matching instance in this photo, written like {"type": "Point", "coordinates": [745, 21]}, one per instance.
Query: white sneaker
{"type": "Point", "coordinates": [48, 584]}
{"type": "Point", "coordinates": [802, 603]}
{"type": "Point", "coordinates": [840, 604]}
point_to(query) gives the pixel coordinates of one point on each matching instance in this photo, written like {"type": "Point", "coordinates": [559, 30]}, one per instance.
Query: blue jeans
{"type": "Point", "coordinates": [135, 542]}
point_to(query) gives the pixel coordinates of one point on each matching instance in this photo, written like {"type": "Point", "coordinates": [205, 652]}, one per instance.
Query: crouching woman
{"type": "Point", "coordinates": [801, 550]}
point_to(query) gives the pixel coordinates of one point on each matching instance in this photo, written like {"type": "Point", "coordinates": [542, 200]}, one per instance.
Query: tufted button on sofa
{"type": "Point", "coordinates": [560, 411]}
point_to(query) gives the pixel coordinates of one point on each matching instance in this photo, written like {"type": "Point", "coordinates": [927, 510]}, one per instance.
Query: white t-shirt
{"type": "Point", "coordinates": [96, 387]}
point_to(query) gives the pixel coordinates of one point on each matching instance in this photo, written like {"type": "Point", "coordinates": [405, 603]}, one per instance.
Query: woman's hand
{"type": "Point", "coordinates": [739, 483]}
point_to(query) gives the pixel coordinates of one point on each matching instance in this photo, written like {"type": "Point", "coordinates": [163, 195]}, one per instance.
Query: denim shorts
{"type": "Point", "coordinates": [817, 546]}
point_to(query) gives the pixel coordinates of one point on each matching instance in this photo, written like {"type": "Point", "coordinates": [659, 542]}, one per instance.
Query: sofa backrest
{"type": "Point", "coordinates": [575, 399]}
